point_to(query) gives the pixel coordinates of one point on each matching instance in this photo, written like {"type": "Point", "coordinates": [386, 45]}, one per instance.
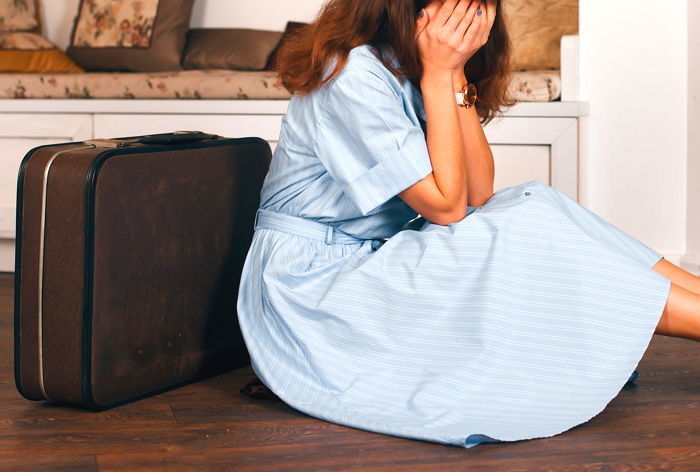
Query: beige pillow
{"type": "Point", "coordinates": [229, 48]}
{"type": "Point", "coordinates": [20, 15]}
{"type": "Point", "coordinates": [130, 35]}
{"type": "Point", "coordinates": [536, 28]}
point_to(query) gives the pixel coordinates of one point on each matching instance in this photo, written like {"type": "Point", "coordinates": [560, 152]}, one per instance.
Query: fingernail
{"type": "Point", "coordinates": [421, 13]}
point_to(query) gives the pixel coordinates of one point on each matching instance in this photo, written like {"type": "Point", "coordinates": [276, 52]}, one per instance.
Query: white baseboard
{"type": "Point", "coordinates": [7, 238]}
{"type": "Point", "coordinates": [7, 255]}
{"type": "Point", "coordinates": [8, 216]}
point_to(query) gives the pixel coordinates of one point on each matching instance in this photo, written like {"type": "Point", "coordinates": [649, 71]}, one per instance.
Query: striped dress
{"type": "Point", "coordinates": [520, 321]}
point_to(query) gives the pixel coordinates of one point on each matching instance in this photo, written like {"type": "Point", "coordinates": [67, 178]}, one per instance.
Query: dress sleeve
{"type": "Point", "coordinates": [367, 142]}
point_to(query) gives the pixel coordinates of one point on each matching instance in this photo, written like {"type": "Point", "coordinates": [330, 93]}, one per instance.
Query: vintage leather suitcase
{"type": "Point", "coordinates": [128, 260]}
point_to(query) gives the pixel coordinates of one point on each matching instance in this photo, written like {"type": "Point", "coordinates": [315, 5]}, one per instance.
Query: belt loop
{"type": "Point", "coordinates": [329, 234]}
{"type": "Point", "coordinates": [255, 221]}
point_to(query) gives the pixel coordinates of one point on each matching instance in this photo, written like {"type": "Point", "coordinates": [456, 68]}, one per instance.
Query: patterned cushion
{"type": "Point", "coordinates": [202, 84]}
{"type": "Point", "coordinates": [19, 15]}
{"type": "Point", "coordinates": [178, 84]}
{"type": "Point", "coordinates": [105, 23]}
{"type": "Point", "coordinates": [130, 35]}
{"type": "Point", "coordinates": [535, 85]}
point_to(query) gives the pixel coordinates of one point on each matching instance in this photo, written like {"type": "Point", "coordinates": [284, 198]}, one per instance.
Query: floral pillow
{"type": "Point", "coordinates": [130, 35]}
{"type": "Point", "coordinates": [105, 23]}
{"type": "Point", "coordinates": [19, 15]}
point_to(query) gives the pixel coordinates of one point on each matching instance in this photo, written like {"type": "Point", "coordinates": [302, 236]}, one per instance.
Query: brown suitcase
{"type": "Point", "coordinates": [127, 264]}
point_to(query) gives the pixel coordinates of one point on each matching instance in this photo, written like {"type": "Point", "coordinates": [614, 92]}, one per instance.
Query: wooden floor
{"type": "Point", "coordinates": [211, 426]}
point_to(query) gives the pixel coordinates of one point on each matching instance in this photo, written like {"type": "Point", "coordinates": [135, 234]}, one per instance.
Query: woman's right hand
{"type": "Point", "coordinates": [449, 34]}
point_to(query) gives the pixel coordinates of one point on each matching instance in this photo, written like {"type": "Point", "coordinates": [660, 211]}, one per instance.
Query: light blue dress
{"type": "Point", "coordinates": [520, 321]}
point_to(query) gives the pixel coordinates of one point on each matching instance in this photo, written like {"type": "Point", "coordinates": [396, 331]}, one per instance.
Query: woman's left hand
{"type": "Point", "coordinates": [489, 9]}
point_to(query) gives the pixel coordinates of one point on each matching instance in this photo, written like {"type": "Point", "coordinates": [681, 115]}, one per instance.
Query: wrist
{"type": "Point", "coordinates": [459, 79]}
{"type": "Point", "coordinates": [436, 77]}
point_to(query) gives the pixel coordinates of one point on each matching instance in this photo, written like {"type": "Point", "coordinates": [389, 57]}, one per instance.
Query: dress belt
{"type": "Point", "coordinates": [266, 218]}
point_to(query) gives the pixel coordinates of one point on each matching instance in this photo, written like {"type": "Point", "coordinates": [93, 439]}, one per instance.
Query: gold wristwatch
{"type": "Point", "coordinates": [467, 96]}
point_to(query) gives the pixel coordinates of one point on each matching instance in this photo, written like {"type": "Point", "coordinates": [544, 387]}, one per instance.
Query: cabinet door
{"type": "Point", "coordinates": [535, 148]}
{"type": "Point", "coordinates": [515, 164]}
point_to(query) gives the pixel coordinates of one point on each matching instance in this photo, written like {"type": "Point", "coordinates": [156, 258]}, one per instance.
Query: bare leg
{"type": "Point", "coordinates": [677, 275]}
{"type": "Point", "coordinates": [681, 316]}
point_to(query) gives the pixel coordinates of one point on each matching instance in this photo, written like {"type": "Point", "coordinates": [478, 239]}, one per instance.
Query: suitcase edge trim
{"type": "Point", "coordinates": [18, 254]}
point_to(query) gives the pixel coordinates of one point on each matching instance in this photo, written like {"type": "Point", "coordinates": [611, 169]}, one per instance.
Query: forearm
{"type": "Point", "coordinates": [477, 152]}
{"type": "Point", "coordinates": [444, 140]}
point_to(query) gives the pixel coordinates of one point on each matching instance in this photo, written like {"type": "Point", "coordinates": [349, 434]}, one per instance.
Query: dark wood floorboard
{"type": "Point", "coordinates": [209, 425]}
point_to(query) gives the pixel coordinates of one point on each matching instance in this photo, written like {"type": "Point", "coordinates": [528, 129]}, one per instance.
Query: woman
{"type": "Point", "coordinates": [518, 318]}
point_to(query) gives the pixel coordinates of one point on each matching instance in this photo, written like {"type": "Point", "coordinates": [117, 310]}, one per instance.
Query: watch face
{"type": "Point", "coordinates": [470, 94]}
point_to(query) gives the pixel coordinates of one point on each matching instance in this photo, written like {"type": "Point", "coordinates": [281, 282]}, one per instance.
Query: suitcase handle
{"type": "Point", "coordinates": [177, 137]}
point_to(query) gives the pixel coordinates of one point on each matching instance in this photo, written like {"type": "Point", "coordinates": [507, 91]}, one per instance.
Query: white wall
{"type": "Point", "coordinates": [58, 15]}
{"type": "Point", "coordinates": [634, 141]}
{"type": "Point", "coordinates": [692, 259]}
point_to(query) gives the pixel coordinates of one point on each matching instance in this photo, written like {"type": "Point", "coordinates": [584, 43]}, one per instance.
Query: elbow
{"type": "Point", "coordinates": [480, 201]}
{"type": "Point", "coordinates": [447, 217]}
{"type": "Point", "coordinates": [453, 212]}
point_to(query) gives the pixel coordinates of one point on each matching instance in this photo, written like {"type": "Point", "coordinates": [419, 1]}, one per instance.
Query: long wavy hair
{"type": "Point", "coordinates": [341, 25]}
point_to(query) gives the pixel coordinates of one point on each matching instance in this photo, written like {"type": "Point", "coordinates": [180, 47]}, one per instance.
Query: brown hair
{"type": "Point", "coordinates": [384, 24]}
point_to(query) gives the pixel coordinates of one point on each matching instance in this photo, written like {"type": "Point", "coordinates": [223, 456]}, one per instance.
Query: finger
{"type": "Point", "coordinates": [422, 22]}
{"type": "Point", "coordinates": [472, 32]}
{"type": "Point", "coordinates": [490, 13]}
{"type": "Point", "coordinates": [458, 14]}
{"type": "Point", "coordinates": [444, 12]}
{"type": "Point", "coordinates": [468, 20]}
{"type": "Point", "coordinates": [483, 24]}
{"type": "Point", "coordinates": [491, 9]}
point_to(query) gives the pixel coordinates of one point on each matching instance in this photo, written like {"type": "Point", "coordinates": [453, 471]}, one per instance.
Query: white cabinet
{"type": "Point", "coordinates": [20, 132]}
{"type": "Point", "coordinates": [533, 141]}
{"type": "Point", "coordinates": [515, 164]}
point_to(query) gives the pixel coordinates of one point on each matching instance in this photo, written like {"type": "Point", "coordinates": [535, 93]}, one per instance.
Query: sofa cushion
{"type": "Point", "coordinates": [29, 52]}
{"type": "Point", "coordinates": [130, 35]}
{"type": "Point", "coordinates": [219, 84]}
{"type": "Point", "coordinates": [228, 48]}
{"type": "Point", "coordinates": [535, 85]}
{"type": "Point", "coordinates": [177, 84]}
{"type": "Point", "coordinates": [289, 30]}
{"type": "Point", "coordinates": [20, 15]}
